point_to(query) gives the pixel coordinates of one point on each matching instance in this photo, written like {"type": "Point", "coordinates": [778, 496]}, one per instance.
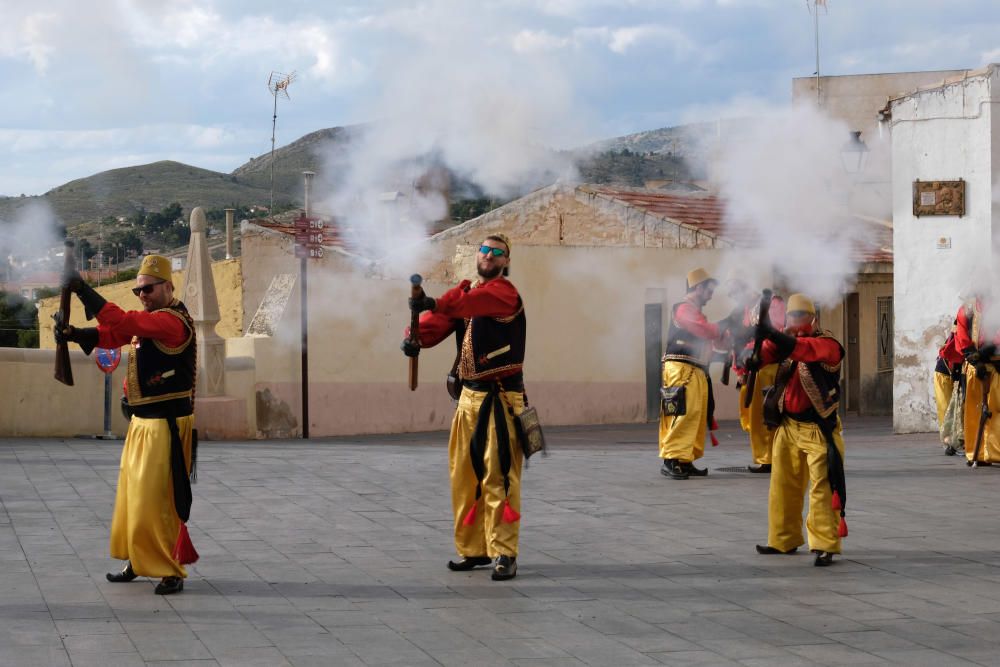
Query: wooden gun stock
{"type": "Point", "coordinates": [416, 292]}
{"type": "Point", "coordinates": [758, 341]}
{"type": "Point", "coordinates": [64, 372]}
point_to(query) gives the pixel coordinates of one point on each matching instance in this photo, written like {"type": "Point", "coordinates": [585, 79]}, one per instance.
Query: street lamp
{"type": "Point", "coordinates": [854, 154]}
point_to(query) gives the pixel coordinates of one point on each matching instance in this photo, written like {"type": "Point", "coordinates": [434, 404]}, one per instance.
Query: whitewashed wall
{"type": "Point", "coordinates": [940, 134]}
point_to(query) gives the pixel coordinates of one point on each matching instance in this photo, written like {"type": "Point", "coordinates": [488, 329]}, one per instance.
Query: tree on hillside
{"type": "Point", "coordinates": [18, 321]}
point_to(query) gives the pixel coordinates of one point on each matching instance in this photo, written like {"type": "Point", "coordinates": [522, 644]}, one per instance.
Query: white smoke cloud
{"type": "Point", "coordinates": [785, 183]}
{"type": "Point", "coordinates": [458, 96]}
{"type": "Point", "coordinates": [27, 238]}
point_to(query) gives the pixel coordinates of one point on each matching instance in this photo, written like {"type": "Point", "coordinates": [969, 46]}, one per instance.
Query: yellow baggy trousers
{"type": "Point", "coordinates": [682, 437]}
{"type": "Point", "coordinates": [488, 535]}
{"type": "Point", "coordinates": [145, 524]}
{"type": "Point", "coordinates": [752, 417]}
{"type": "Point", "coordinates": [800, 459]}
{"type": "Point", "coordinates": [990, 449]}
{"type": "Point", "coordinates": [943, 387]}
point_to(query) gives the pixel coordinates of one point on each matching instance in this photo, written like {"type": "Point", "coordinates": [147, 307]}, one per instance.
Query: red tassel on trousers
{"type": "Point", "coordinates": [184, 551]}
{"type": "Point", "coordinates": [470, 517]}
{"type": "Point", "coordinates": [510, 515]}
{"type": "Point", "coordinates": [715, 425]}
{"type": "Point", "coordinates": [715, 441]}
{"type": "Point", "coordinates": [837, 506]}
{"type": "Point", "coordinates": [842, 528]}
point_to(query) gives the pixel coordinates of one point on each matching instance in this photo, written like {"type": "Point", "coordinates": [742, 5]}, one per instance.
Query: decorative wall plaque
{"type": "Point", "coordinates": [939, 198]}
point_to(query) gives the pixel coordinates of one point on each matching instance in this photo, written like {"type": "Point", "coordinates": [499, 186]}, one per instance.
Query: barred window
{"type": "Point", "coordinates": [884, 316]}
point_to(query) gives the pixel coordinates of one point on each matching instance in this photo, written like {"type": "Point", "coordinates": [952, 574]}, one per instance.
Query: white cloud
{"type": "Point", "coordinates": [537, 41]}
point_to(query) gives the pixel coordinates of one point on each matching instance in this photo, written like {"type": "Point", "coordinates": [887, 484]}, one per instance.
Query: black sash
{"type": "Point", "coordinates": [492, 404]}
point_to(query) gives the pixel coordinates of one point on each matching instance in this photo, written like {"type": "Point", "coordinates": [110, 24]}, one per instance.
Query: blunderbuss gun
{"type": "Point", "coordinates": [64, 372]}
{"type": "Point", "coordinates": [758, 341]}
{"type": "Point", "coordinates": [416, 292]}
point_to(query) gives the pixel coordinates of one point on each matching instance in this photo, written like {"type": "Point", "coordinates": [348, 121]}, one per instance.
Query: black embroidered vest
{"type": "Point", "coordinates": [682, 345]}
{"type": "Point", "coordinates": [158, 374]}
{"type": "Point", "coordinates": [493, 348]}
{"type": "Point", "coordinates": [820, 381]}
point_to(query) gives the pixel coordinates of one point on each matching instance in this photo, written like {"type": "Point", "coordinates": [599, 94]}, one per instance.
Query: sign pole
{"type": "Point", "coordinates": [304, 299]}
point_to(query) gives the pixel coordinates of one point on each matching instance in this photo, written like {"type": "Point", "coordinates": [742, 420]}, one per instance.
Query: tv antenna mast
{"type": "Point", "coordinates": [813, 6]}
{"type": "Point", "coordinates": [277, 83]}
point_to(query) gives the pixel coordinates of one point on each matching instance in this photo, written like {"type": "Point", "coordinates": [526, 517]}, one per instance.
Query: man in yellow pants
{"type": "Point", "coordinates": [978, 338]}
{"type": "Point", "coordinates": [687, 404]}
{"type": "Point", "coordinates": [484, 455]}
{"type": "Point", "coordinates": [752, 412]}
{"type": "Point", "coordinates": [808, 447]}
{"type": "Point", "coordinates": [153, 499]}
{"type": "Point", "coordinates": [947, 372]}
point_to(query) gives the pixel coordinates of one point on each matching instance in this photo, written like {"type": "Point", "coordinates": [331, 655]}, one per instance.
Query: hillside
{"type": "Point", "coordinates": [666, 154]}
{"type": "Point", "coordinates": [150, 187]}
{"type": "Point", "coordinates": [307, 153]}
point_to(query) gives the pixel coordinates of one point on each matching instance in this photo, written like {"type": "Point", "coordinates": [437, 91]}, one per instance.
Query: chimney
{"type": "Point", "coordinates": [308, 176]}
{"type": "Point", "coordinates": [230, 212]}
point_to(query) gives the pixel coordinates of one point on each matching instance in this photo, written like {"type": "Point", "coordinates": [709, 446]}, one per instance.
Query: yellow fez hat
{"type": "Point", "coordinates": [697, 277]}
{"type": "Point", "coordinates": [157, 266]}
{"type": "Point", "coordinates": [800, 303]}
{"type": "Point", "coordinates": [503, 238]}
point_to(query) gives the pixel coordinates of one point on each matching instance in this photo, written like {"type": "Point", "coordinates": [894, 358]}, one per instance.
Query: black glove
{"type": "Point", "coordinates": [987, 351]}
{"type": "Point", "coordinates": [422, 303]}
{"type": "Point", "coordinates": [971, 355]}
{"type": "Point", "coordinates": [73, 281]}
{"type": "Point", "coordinates": [784, 343]}
{"type": "Point", "coordinates": [746, 360]}
{"type": "Point", "coordinates": [86, 337]}
{"type": "Point", "coordinates": [409, 347]}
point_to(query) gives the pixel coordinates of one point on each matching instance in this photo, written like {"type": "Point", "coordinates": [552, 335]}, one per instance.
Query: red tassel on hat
{"type": "Point", "coordinates": [470, 517]}
{"type": "Point", "coordinates": [510, 515]}
{"type": "Point", "coordinates": [842, 528]}
{"type": "Point", "coordinates": [837, 506]}
{"type": "Point", "coordinates": [184, 551]}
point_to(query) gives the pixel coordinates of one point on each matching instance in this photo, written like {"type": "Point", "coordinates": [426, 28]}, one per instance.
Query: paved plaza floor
{"type": "Point", "coordinates": [333, 552]}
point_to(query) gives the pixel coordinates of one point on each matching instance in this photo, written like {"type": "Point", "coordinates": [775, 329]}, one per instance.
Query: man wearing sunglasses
{"type": "Point", "coordinates": [484, 455]}
{"type": "Point", "coordinates": [153, 499]}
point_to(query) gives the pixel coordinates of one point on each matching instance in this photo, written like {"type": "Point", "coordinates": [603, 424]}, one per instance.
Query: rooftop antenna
{"type": "Point", "coordinates": [277, 83]}
{"type": "Point", "coordinates": [814, 6]}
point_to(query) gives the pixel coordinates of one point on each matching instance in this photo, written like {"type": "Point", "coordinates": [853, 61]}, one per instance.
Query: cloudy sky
{"type": "Point", "coordinates": [95, 85]}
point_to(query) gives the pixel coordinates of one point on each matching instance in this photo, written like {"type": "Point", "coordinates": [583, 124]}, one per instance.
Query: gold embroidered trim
{"type": "Point", "coordinates": [187, 324]}
{"type": "Point", "coordinates": [507, 320]}
{"type": "Point", "coordinates": [466, 367]}
{"type": "Point", "coordinates": [160, 398]}
{"type": "Point", "coordinates": [813, 392]}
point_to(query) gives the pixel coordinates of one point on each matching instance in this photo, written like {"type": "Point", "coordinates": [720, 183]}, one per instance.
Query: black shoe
{"type": "Point", "coordinates": [506, 568]}
{"type": "Point", "coordinates": [677, 470]}
{"type": "Point", "coordinates": [169, 586]}
{"type": "Point", "coordinates": [468, 562]}
{"type": "Point", "coordinates": [667, 467]}
{"type": "Point", "coordinates": [762, 468]}
{"type": "Point", "coordinates": [697, 472]}
{"type": "Point", "coordinates": [123, 577]}
{"type": "Point", "coordinates": [769, 551]}
{"type": "Point", "coordinates": [823, 558]}
{"type": "Point", "coordinates": [950, 451]}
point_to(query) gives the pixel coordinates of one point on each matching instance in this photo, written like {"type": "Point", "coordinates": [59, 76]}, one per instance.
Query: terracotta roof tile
{"type": "Point", "coordinates": [706, 213]}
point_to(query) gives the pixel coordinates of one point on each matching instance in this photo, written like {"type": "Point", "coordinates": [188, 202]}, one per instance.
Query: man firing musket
{"type": "Point", "coordinates": [978, 342]}
{"type": "Point", "coordinates": [153, 499]}
{"type": "Point", "coordinates": [753, 383]}
{"type": "Point", "coordinates": [484, 454]}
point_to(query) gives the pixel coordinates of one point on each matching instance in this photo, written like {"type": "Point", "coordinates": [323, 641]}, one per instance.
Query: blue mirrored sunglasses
{"type": "Point", "coordinates": [497, 252]}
